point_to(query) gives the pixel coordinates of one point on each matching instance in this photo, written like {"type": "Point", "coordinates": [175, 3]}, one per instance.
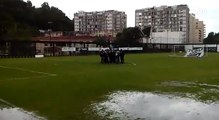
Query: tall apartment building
{"type": "Point", "coordinates": [197, 30]}
{"type": "Point", "coordinates": [100, 22]}
{"type": "Point", "coordinates": [192, 22]}
{"type": "Point", "coordinates": [165, 18]}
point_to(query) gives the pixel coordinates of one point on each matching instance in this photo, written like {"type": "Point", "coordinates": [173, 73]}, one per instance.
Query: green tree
{"type": "Point", "coordinates": [129, 37]}
{"type": "Point", "coordinates": [147, 31]}
{"type": "Point", "coordinates": [101, 41]}
{"type": "Point", "coordinates": [15, 20]}
{"type": "Point", "coordinates": [21, 20]}
{"type": "Point", "coordinates": [46, 14]}
{"type": "Point", "coordinates": [213, 38]}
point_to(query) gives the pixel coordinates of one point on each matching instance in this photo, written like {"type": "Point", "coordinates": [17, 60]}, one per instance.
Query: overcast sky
{"type": "Point", "coordinates": [205, 10]}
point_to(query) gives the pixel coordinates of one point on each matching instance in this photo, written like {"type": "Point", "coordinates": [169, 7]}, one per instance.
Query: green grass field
{"type": "Point", "coordinates": [62, 88]}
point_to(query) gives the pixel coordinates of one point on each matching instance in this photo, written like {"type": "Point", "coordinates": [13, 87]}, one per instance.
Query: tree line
{"type": "Point", "coordinates": [131, 36]}
{"type": "Point", "coordinates": [213, 38]}
{"type": "Point", "coordinates": [21, 20]}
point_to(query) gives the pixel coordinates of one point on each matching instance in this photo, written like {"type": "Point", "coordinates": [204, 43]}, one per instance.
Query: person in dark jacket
{"type": "Point", "coordinates": [121, 54]}
{"type": "Point", "coordinates": [106, 56]}
{"type": "Point", "coordinates": [113, 56]}
{"type": "Point", "coordinates": [110, 54]}
{"type": "Point", "coordinates": [102, 56]}
{"type": "Point", "coordinates": [117, 55]}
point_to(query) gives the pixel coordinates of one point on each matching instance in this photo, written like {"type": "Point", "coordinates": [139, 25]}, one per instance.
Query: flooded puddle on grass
{"type": "Point", "coordinates": [203, 90]}
{"type": "Point", "coordinates": [150, 106]}
{"type": "Point", "coordinates": [189, 84]}
{"type": "Point", "coordinates": [9, 112]}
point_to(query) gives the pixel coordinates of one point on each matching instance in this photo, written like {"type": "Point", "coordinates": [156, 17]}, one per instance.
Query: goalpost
{"type": "Point", "coordinates": [178, 50]}
{"type": "Point", "coordinates": [189, 51]}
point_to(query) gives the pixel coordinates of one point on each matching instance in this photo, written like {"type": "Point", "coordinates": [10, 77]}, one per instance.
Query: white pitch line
{"type": "Point", "coordinates": [25, 78]}
{"type": "Point", "coordinates": [134, 64]}
{"type": "Point", "coordinates": [22, 110]}
{"type": "Point", "coordinates": [26, 70]}
{"type": "Point", "coordinates": [7, 103]}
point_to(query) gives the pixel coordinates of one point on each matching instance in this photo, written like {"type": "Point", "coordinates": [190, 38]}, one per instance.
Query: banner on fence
{"type": "Point", "coordinates": [68, 49]}
{"type": "Point", "coordinates": [132, 48]}
{"type": "Point", "coordinates": [94, 49]}
{"type": "Point", "coordinates": [198, 52]}
{"type": "Point", "coordinates": [39, 56]}
{"type": "Point", "coordinates": [121, 48]}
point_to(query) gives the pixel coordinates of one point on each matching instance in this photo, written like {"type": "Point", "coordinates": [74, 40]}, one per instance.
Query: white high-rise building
{"type": "Point", "coordinates": [197, 30]}
{"type": "Point", "coordinates": [171, 20]}
{"type": "Point", "coordinates": [100, 22]}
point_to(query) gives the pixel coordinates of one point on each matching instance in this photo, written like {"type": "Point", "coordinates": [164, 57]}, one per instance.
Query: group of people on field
{"type": "Point", "coordinates": [111, 56]}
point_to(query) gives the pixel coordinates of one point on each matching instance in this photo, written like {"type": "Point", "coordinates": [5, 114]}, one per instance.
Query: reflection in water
{"type": "Point", "coordinates": [207, 91]}
{"type": "Point", "coordinates": [9, 112]}
{"type": "Point", "coordinates": [189, 84]}
{"type": "Point", "coordinates": [148, 106]}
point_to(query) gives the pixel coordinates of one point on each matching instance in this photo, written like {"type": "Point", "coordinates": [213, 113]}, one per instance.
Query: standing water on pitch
{"type": "Point", "coordinates": [10, 112]}
{"type": "Point", "coordinates": [150, 106]}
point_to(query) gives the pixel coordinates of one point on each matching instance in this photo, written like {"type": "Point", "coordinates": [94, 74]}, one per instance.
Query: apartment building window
{"type": "Point", "coordinates": [153, 13]}
{"type": "Point", "coordinates": [154, 30]}
{"type": "Point", "coordinates": [181, 21]}
{"type": "Point", "coordinates": [180, 29]}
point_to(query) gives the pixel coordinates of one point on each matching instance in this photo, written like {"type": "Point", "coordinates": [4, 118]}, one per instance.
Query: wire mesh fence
{"type": "Point", "coordinates": [10, 49]}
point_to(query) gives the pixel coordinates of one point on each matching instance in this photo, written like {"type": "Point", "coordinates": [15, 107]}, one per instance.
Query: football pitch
{"type": "Point", "coordinates": [64, 88]}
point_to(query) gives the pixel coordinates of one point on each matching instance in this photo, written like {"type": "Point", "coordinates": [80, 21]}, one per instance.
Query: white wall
{"type": "Point", "coordinates": [168, 37]}
{"type": "Point", "coordinates": [217, 48]}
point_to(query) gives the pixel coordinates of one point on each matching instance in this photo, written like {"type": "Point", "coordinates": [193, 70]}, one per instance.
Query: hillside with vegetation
{"type": "Point", "coordinates": [21, 20]}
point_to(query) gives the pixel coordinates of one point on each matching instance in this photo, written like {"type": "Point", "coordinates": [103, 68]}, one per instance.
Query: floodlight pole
{"type": "Point", "coordinates": [140, 29]}
{"type": "Point", "coordinates": [50, 25]}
